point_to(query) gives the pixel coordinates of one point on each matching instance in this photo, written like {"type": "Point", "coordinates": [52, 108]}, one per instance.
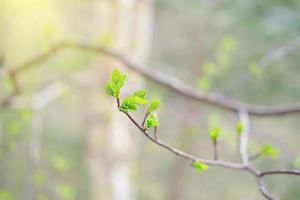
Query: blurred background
{"type": "Point", "coordinates": [61, 137]}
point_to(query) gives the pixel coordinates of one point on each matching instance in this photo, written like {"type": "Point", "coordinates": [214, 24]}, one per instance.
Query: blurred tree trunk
{"type": "Point", "coordinates": [111, 149]}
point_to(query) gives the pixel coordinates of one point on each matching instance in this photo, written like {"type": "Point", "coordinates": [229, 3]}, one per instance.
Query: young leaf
{"type": "Point", "coordinates": [109, 88]}
{"type": "Point", "coordinates": [214, 133]}
{"type": "Point", "coordinates": [200, 166]}
{"type": "Point", "coordinates": [240, 127]}
{"type": "Point", "coordinates": [115, 84]}
{"type": "Point", "coordinates": [152, 121]}
{"type": "Point", "coordinates": [131, 103]}
{"type": "Point", "coordinates": [269, 150]}
{"type": "Point", "coordinates": [154, 105]}
{"type": "Point", "coordinates": [141, 93]}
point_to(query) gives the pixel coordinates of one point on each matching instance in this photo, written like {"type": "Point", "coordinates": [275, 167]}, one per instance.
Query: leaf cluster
{"type": "Point", "coordinates": [131, 103]}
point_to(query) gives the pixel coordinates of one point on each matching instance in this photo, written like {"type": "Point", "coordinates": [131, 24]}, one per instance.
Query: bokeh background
{"type": "Point", "coordinates": [61, 137]}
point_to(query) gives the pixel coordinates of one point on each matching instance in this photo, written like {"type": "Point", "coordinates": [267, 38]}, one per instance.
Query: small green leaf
{"type": "Point", "coordinates": [131, 103]}
{"type": "Point", "coordinates": [152, 121]}
{"type": "Point", "coordinates": [200, 166]}
{"type": "Point", "coordinates": [115, 84]}
{"type": "Point", "coordinates": [240, 127]}
{"type": "Point", "coordinates": [154, 105]}
{"type": "Point", "coordinates": [141, 93]}
{"type": "Point", "coordinates": [269, 150]}
{"type": "Point", "coordinates": [214, 133]}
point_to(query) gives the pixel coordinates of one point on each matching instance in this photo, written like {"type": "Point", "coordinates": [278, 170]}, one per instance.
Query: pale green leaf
{"type": "Point", "coordinates": [214, 133]}
{"type": "Point", "coordinates": [152, 121]}
{"type": "Point", "coordinates": [200, 166]}
{"type": "Point", "coordinates": [141, 93]}
{"type": "Point", "coordinates": [154, 105]}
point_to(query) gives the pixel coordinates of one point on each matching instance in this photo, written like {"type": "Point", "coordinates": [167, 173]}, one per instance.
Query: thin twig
{"type": "Point", "coordinates": [283, 172]}
{"type": "Point", "coordinates": [145, 118]}
{"type": "Point", "coordinates": [220, 163]}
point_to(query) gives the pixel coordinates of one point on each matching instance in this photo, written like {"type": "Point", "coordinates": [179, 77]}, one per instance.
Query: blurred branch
{"type": "Point", "coordinates": [160, 78]}
{"type": "Point", "coordinates": [278, 53]}
{"type": "Point", "coordinates": [266, 61]}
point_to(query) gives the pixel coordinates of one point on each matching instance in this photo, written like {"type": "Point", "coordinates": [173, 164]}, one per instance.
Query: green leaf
{"type": "Point", "coordinates": [115, 84]}
{"type": "Point", "coordinates": [152, 121]}
{"type": "Point", "coordinates": [214, 133]}
{"type": "Point", "coordinates": [131, 103]}
{"type": "Point", "coordinates": [269, 150]}
{"type": "Point", "coordinates": [154, 105]}
{"type": "Point", "coordinates": [240, 127]}
{"type": "Point", "coordinates": [141, 93]}
{"type": "Point", "coordinates": [109, 88]}
{"type": "Point", "coordinates": [200, 166]}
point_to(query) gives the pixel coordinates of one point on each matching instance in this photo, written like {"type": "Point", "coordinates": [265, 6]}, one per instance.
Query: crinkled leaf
{"type": "Point", "coordinates": [115, 84]}
{"type": "Point", "coordinates": [200, 166]}
{"type": "Point", "coordinates": [152, 121]}
{"type": "Point", "coordinates": [214, 133]}
{"type": "Point", "coordinates": [131, 103]}
{"type": "Point", "coordinates": [109, 89]}
{"type": "Point", "coordinates": [141, 93]}
{"type": "Point", "coordinates": [138, 100]}
{"type": "Point", "coordinates": [154, 105]}
{"type": "Point", "coordinates": [240, 127]}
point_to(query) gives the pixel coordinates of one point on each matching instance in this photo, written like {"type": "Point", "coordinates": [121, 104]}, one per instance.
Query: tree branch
{"type": "Point", "coordinates": [282, 172]}
{"type": "Point", "coordinates": [165, 80]}
{"type": "Point", "coordinates": [267, 60]}
{"type": "Point", "coordinates": [235, 166]}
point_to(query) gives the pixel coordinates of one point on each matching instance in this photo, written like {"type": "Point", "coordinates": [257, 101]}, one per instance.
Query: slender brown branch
{"type": "Point", "coordinates": [184, 154]}
{"type": "Point", "coordinates": [260, 182]}
{"type": "Point", "coordinates": [165, 80]}
{"type": "Point", "coordinates": [145, 118]}
{"type": "Point", "coordinates": [282, 172]}
{"type": "Point", "coordinates": [220, 163]}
